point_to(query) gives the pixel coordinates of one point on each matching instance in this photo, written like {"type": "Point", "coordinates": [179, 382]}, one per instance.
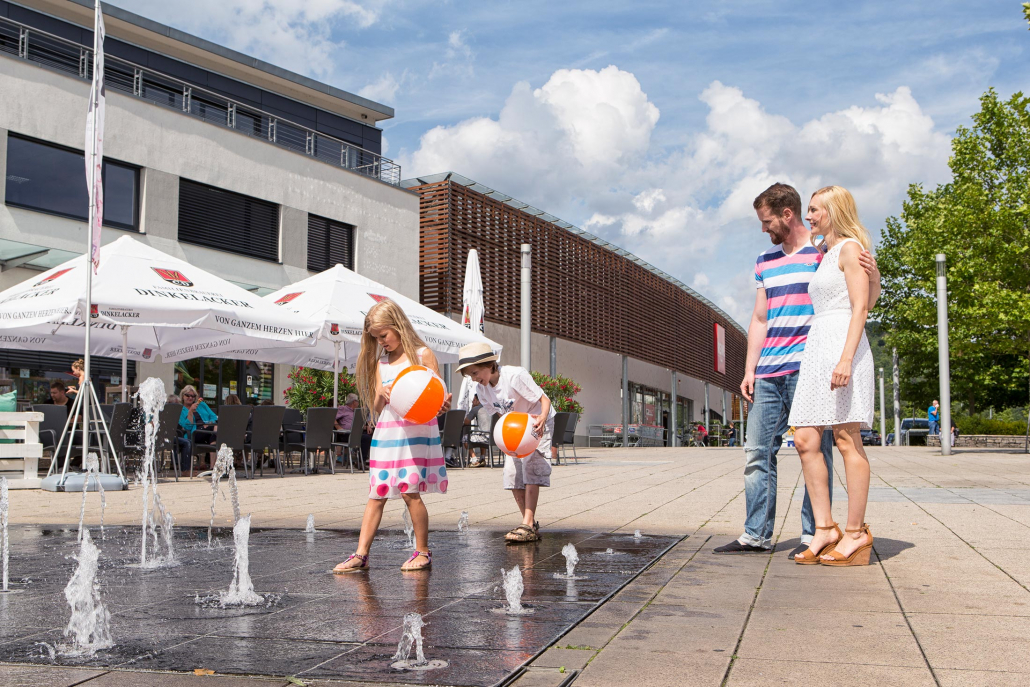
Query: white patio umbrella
{"type": "Point", "coordinates": [471, 317]}
{"type": "Point", "coordinates": [337, 300]}
{"type": "Point", "coordinates": [145, 303]}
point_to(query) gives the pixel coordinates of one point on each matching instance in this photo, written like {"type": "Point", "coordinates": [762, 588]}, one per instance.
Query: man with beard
{"type": "Point", "coordinates": [776, 337]}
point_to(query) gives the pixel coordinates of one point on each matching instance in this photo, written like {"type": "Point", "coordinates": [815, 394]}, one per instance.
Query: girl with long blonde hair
{"type": "Point", "coordinates": [835, 384]}
{"type": "Point", "coordinates": [406, 459]}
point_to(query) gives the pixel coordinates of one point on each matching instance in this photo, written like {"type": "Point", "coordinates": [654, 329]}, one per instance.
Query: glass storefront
{"type": "Point", "coordinates": [651, 407]}
{"type": "Point", "coordinates": [215, 379]}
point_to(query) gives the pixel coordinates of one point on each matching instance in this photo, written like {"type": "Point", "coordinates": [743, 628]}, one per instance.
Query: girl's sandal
{"type": "Point", "coordinates": [810, 557]}
{"type": "Point", "coordinates": [425, 566]}
{"type": "Point", "coordinates": [522, 535]}
{"type": "Point", "coordinates": [340, 570]}
{"type": "Point", "coordinates": [859, 556]}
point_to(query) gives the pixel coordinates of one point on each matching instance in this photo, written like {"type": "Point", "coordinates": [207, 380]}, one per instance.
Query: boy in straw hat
{"type": "Point", "coordinates": [508, 388]}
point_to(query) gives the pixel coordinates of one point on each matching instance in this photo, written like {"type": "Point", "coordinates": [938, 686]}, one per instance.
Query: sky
{"type": "Point", "coordinates": [653, 125]}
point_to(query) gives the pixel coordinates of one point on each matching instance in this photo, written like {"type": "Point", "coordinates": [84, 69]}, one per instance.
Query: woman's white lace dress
{"type": "Point", "coordinates": [814, 404]}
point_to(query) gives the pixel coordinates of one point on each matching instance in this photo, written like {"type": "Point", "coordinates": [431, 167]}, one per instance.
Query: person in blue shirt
{"type": "Point", "coordinates": [933, 414]}
{"type": "Point", "coordinates": [195, 411]}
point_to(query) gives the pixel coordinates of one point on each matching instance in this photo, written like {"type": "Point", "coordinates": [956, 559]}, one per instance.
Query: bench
{"type": "Point", "coordinates": [19, 460]}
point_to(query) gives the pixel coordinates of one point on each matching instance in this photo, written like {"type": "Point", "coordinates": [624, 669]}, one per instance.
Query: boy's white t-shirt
{"type": "Point", "coordinates": [515, 392]}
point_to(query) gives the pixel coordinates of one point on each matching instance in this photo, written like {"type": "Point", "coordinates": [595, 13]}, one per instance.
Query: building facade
{"type": "Point", "coordinates": [246, 170]}
{"type": "Point", "coordinates": [593, 304]}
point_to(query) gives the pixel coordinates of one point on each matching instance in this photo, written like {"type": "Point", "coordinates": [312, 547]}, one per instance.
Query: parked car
{"type": "Point", "coordinates": [914, 428]}
{"type": "Point", "coordinates": [870, 437]}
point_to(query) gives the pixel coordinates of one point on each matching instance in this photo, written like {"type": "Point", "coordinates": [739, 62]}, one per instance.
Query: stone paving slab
{"type": "Point", "coordinates": [945, 602]}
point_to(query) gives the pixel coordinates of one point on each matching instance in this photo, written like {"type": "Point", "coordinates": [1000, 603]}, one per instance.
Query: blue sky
{"type": "Point", "coordinates": [651, 124]}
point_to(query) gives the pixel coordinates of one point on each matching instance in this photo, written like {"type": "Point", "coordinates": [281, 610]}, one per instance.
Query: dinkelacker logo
{"type": "Point", "coordinates": [334, 329]}
{"type": "Point", "coordinates": [53, 276]}
{"type": "Point", "coordinates": [287, 298]}
{"type": "Point", "coordinates": [147, 352]}
{"type": "Point", "coordinates": [172, 276]}
{"type": "Point", "coordinates": [94, 310]}
{"type": "Point", "coordinates": [377, 298]}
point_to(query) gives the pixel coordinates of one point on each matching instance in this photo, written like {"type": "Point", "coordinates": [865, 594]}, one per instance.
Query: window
{"type": "Point", "coordinates": [228, 221]}
{"type": "Point", "coordinates": [329, 243]}
{"type": "Point", "coordinates": [52, 179]}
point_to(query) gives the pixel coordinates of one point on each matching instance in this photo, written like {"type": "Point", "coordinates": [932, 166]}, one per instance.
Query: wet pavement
{"type": "Point", "coordinates": [320, 626]}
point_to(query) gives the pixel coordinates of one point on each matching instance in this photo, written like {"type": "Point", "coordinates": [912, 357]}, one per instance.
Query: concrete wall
{"type": "Point", "coordinates": [599, 373]}
{"type": "Point", "coordinates": [168, 145]}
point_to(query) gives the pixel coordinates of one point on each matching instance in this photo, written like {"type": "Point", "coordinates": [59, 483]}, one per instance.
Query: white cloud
{"type": "Point", "coordinates": [581, 145]}
{"type": "Point", "coordinates": [581, 128]}
{"type": "Point", "coordinates": [382, 90]}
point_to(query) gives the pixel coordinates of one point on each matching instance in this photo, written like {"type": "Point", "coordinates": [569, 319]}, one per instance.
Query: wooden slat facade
{"type": "Point", "coordinates": [582, 292]}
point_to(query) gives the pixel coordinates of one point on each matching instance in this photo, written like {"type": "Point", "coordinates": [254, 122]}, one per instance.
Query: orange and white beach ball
{"type": "Point", "coordinates": [514, 435]}
{"type": "Point", "coordinates": [417, 394]}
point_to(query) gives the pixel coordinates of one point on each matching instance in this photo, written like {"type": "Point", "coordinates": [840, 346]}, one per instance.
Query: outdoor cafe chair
{"type": "Point", "coordinates": [317, 438]}
{"type": "Point", "coordinates": [352, 446]}
{"type": "Point", "coordinates": [488, 444]}
{"type": "Point", "coordinates": [453, 433]}
{"type": "Point", "coordinates": [569, 438]}
{"type": "Point", "coordinates": [561, 420]}
{"type": "Point", "coordinates": [54, 419]}
{"type": "Point", "coordinates": [232, 431]}
{"type": "Point", "coordinates": [166, 440]}
{"type": "Point", "coordinates": [266, 426]}
{"type": "Point", "coordinates": [126, 449]}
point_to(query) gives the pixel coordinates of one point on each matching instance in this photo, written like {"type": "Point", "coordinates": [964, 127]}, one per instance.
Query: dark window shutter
{"type": "Point", "coordinates": [228, 221]}
{"type": "Point", "coordinates": [329, 243]}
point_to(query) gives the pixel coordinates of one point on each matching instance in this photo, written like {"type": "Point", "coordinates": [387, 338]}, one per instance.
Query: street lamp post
{"type": "Point", "coordinates": [942, 352]}
{"type": "Point", "coordinates": [883, 414]}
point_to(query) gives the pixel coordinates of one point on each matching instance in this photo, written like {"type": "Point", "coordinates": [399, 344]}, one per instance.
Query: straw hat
{"type": "Point", "coordinates": [475, 354]}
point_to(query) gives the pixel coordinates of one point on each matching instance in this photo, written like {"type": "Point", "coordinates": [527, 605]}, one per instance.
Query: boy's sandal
{"type": "Point", "coordinates": [340, 570]}
{"type": "Point", "coordinates": [425, 566]}
{"type": "Point", "coordinates": [521, 535]}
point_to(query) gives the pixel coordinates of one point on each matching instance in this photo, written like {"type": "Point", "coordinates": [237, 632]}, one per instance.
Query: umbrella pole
{"type": "Point", "coordinates": [336, 375]}
{"type": "Point", "coordinates": [125, 363]}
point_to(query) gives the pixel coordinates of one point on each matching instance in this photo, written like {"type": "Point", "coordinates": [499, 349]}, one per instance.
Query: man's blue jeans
{"type": "Point", "coordinates": [933, 428]}
{"type": "Point", "coordinates": [766, 425]}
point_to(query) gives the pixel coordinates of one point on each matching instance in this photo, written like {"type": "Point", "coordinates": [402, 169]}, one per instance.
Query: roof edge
{"type": "Point", "coordinates": [142, 22]}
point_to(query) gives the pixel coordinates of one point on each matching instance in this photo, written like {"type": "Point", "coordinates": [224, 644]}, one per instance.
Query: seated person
{"type": "Point", "coordinates": [345, 423]}
{"type": "Point", "coordinates": [59, 395]}
{"type": "Point", "coordinates": [196, 412]}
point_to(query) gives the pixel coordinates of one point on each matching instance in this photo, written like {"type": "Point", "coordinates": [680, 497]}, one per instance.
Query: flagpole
{"type": "Point", "coordinates": [92, 251]}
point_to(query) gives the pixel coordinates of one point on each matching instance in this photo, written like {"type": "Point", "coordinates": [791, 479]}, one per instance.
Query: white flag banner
{"type": "Point", "coordinates": [95, 141]}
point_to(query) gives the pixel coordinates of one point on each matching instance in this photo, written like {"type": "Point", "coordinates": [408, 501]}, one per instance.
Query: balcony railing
{"type": "Point", "coordinates": [126, 77]}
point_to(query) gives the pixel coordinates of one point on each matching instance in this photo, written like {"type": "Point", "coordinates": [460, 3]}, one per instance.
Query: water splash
{"type": "Point", "coordinates": [463, 522]}
{"type": "Point", "coordinates": [152, 401]}
{"type": "Point", "coordinates": [310, 529]}
{"type": "Point", "coordinates": [411, 638]}
{"type": "Point", "coordinates": [513, 588]}
{"type": "Point", "coordinates": [92, 465]}
{"type": "Point", "coordinates": [223, 464]}
{"type": "Point", "coordinates": [610, 552]}
{"type": "Point", "coordinates": [4, 507]}
{"type": "Point", "coordinates": [571, 559]}
{"type": "Point", "coordinates": [637, 535]}
{"type": "Point", "coordinates": [90, 623]}
{"type": "Point", "coordinates": [241, 589]}
{"type": "Point", "coordinates": [409, 529]}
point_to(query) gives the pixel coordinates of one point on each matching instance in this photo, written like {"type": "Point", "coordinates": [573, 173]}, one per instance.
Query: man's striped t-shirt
{"type": "Point", "coordinates": [785, 280]}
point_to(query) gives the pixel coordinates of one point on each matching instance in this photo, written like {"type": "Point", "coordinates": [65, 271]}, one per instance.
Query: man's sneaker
{"type": "Point", "coordinates": [736, 547]}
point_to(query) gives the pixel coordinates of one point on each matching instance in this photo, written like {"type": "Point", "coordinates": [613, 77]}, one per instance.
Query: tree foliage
{"type": "Point", "coordinates": [311, 388]}
{"type": "Point", "coordinates": [981, 221]}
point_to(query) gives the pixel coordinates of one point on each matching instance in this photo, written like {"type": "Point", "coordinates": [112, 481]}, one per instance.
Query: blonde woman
{"type": "Point", "coordinates": [406, 459]}
{"type": "Point", "coordinates": [835, 384]}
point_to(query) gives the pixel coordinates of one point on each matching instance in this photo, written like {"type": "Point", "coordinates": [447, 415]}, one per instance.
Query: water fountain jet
{"type": "Point", "coordinates": [90, 623]}
{"type": "Point", "coordinates": [411, 638]}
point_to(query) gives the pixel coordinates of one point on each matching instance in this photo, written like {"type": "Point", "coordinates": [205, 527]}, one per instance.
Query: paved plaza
{"type": "Point", "coordinates": [945, 601]}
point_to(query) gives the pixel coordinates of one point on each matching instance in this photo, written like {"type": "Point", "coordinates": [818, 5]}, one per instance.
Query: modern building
{"type": "Point", "coordinates": [597, 310]}
{"type": "Point", "coordinates": [249, 171]}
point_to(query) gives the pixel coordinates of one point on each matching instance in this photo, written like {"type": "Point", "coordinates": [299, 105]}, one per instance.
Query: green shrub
{"type": "Point", "coordinates": [560, 390]}
{"type": "Point", "coordinates": [311, 388]}
{"type": "Point", "coordinates": [978, 424]}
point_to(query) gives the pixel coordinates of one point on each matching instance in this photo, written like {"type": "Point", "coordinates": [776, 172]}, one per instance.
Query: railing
{"type": "Point", "coordinates": [121, 75]}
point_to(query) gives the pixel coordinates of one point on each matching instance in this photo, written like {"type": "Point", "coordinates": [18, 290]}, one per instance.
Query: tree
{"type": "Point", "coordinates": [981, 222]}
{"type": "Point", "coordinates": [1026, 12]}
